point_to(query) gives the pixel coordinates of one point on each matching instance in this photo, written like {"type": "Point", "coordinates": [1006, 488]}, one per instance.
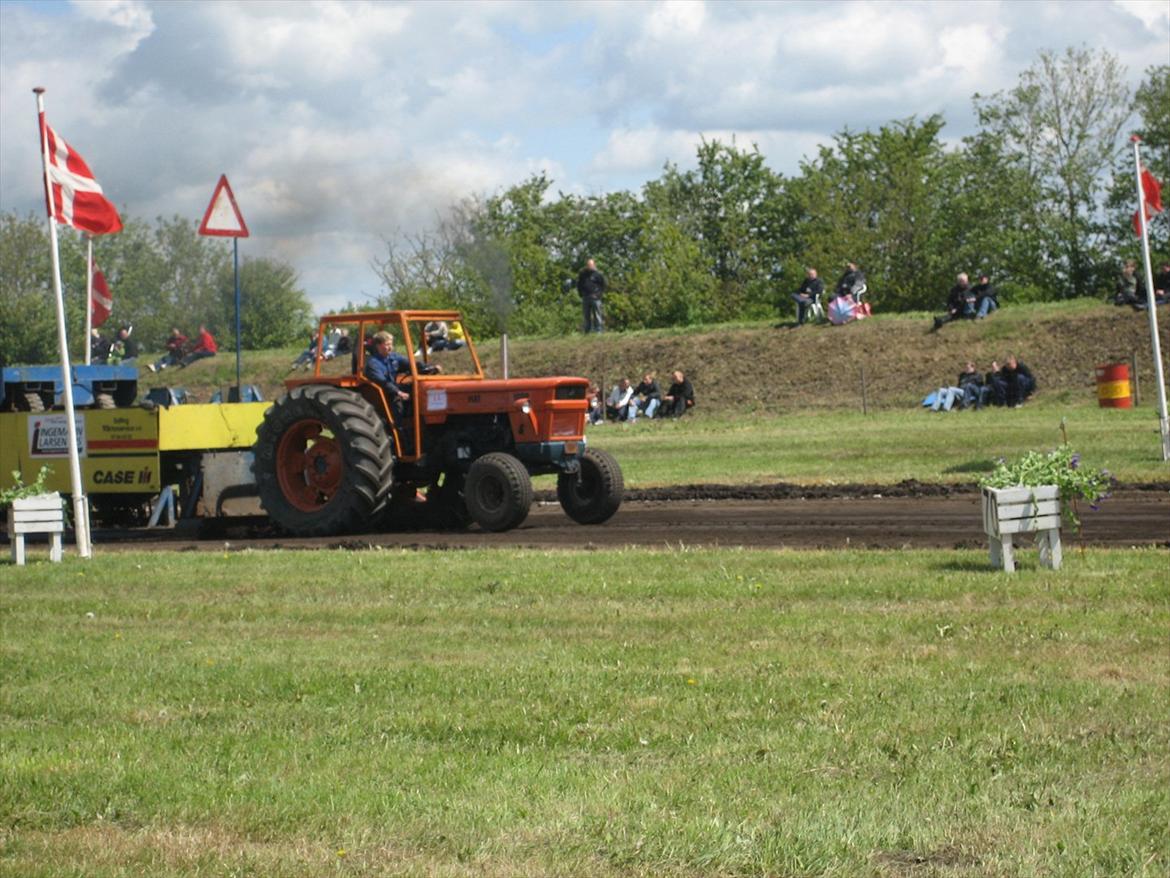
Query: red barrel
{"type": "Point", "coordinates": [1113, 390]}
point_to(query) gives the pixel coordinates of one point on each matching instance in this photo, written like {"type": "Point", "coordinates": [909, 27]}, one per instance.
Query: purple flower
{"type": "Point", "coordinates": [1075, 460]}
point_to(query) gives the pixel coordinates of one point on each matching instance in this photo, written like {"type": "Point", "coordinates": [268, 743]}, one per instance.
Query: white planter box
{"type": "Point", "coordinates": [41, 514]}
{"type": "Point", "coordinates": [1010, 511]}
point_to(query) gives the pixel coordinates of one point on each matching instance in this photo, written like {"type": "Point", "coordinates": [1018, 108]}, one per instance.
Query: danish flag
{"type": "Point", "coordinates": [76, 198]}
{"type": "Point", "coordinates": [102, 302]}
{"type": "Point", "coordinates": [1151, 200]}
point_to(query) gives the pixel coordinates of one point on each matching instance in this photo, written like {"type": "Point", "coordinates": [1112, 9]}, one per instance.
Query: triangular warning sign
{"type": "Point", "coordinates": [223, 218]}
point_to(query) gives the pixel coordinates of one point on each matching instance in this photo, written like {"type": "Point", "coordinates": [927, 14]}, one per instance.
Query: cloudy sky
{"type": "Point", "coordinates": [340, 124]}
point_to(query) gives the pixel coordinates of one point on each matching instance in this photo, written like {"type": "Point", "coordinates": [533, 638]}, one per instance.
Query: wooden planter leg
{"type": "Point", "coordinates": [1049, 544]}
{"type": "Point", "coordinates": [1001, 552]}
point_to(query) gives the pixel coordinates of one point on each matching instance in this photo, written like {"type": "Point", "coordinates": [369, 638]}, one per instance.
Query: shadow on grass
{"type": "Point", "coordinates": [966, 565]}
{"type": "Point", "coordinates": [972, 466]}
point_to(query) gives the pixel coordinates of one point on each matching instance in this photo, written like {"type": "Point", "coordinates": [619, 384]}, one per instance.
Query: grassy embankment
{"type": "Point", "coordinates": [781, 404]}
{"type": "Point", "coordinates": [570, 713]}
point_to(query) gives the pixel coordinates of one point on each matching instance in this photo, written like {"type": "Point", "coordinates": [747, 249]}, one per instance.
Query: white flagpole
{"type": "Point", "coordinates": [88, 296]}
{"type": "Point", "coordinates": [1151, 309]}
{"type": "Point", "coordinates": [80, 504]}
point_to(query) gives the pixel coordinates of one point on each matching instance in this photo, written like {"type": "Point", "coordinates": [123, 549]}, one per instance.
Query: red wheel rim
{"type": "Point", "coordinates": [308, 465]}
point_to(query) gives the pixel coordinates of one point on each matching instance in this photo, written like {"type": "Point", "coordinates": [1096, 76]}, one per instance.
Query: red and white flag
{"type": "Point", "coordinates": [102, 302]}
{"type": "Point", "coordinates": [1151, 198]}
{"type": "Point", "coordinates": [76, 198]}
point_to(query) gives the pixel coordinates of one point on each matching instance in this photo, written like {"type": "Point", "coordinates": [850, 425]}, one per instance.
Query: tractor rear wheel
{"type": "Point", "coordinates": [592, 495]}
{"type": "Point", "coordinates": [323, 462]}
{"type": "Point", "coordinates": [498, 492]}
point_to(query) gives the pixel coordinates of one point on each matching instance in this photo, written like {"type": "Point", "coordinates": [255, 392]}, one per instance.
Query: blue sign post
{"type": "Point", "coordinates": [223, 219]}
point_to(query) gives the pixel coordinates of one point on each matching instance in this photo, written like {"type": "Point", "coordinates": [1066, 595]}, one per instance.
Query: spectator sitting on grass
{"type": "Point", "coordinates": [621, 405]}
{"type": "Point", "coordinates": [806, 296]}
{"type": "Point", "coordinates": [1129, 290]}
{"type": "Point", "coordinates": [176, 342]}
{"type": "Point", "coordinates": [648, 395]}
{"type": "Point", "coordinates": [1162, 284]}
{"type": "Point", "coordinates": [596, 413]}
{"type": "Point", "coordinates": [99, 348]}
{"type": "Point", "coordinates": [852, 282]}
{"type": "Point", "coordinates": [975, 392]}
{"type": "Point", "coordinates": [986, 298]}
{"type": "Point", "coordinates": [967, 392]}
{"type": "Point", "coordinates": [204, 347]}
{"type": "Point", "coordinates": [1012, 383]}
{"type": "Point", "coordinates": [960, 302]}
{"type": "Point", "coordinates": [680, 397]}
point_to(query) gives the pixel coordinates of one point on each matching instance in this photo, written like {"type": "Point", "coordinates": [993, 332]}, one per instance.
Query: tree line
{"type": "Point", "coordinates": [1040, 196]}
{"type": "Point", "coordinates": [160, 276]}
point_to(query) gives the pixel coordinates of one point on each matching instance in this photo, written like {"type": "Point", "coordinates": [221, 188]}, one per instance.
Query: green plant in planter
{"type": "Point", "coordinates": [19, 490]}
{"type": "Point", "coordinates": [1060, 467]}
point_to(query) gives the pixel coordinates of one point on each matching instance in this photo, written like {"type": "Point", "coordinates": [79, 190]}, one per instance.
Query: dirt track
{"type": "Point", "coordinates": [1129, 518]}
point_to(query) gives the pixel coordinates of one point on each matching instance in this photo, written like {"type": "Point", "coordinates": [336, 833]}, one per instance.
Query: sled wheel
{"type": "Point", "coordinates": [593, 494]}
{"type": "Point", "coordinates": [323, 462]}
{"type": "Point", "coordinates": [498, 492]}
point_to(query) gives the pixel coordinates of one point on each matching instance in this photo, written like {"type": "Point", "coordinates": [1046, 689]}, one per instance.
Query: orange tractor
{"type": "Point", "coordinates": [335, 455]}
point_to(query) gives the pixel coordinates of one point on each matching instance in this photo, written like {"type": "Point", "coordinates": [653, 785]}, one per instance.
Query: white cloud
{"type": "Point", "coordinates": [341, 122]}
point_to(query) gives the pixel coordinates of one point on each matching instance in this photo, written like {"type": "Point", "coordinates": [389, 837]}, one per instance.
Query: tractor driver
{"type": "Point", "coordinates": [383, 366]}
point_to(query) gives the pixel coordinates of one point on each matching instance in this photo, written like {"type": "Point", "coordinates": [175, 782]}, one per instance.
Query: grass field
{"type": "Point", "coordinates": [884, 447]}
{"type": "Point", "coordinates": [599, 714]}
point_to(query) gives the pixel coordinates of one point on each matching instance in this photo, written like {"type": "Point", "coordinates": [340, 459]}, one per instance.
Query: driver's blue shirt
{"type": "Point", "coordinates": [382, 370]}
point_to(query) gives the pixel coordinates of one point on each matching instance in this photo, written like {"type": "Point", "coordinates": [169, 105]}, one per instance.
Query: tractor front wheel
{"type": "Point", "coordinates": [323, 462]}
{"type": "Point", "coordinates": [498, 492]}
{"type": "Point", "coordinates": [592, 495]}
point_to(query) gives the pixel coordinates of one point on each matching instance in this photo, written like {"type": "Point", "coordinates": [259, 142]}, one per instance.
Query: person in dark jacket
{"type": "Point", "coordinates": [680, 396]}
{"type": "Point", "coordinates": [648, 395]}
{"type": "Point", "coordinates": [974, 389]}
{"type": "Point", "coordinates": [851, 282]}
{"type": "Point", "coordinates": [986, 298]}
{"type": "Point", "coordinates": [1012, 383]}
{"type": "Point", "coordinates": [591, 287]}
{"type": "Point", "coordinates": [960, 301]}
{"type": "Point", "coordinates": [176, 342]}
{"type": "Point", "coordinates": [807, 294]}
{"type": "Point", "coordinates": [383, 366]}
{"type": "Point", "coordinates": [99, 348]}
{"type": "Point", "coordinates": [1162, 284]}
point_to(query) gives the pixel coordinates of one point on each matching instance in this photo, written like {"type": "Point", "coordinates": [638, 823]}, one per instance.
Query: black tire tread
{"type": "Point", "coordinates": [603, 475]}
{"type": "Point", "coordinates": [366, 451]}
{"type": "Point", "coordinates": [517, 488]}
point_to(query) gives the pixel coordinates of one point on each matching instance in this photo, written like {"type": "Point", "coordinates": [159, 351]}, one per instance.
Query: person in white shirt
{"type": "Point", "coordinates": [620, 405]}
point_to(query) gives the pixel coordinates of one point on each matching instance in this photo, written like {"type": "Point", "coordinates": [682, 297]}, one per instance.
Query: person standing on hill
{"type": "Point", "coordinates": [591, 287]}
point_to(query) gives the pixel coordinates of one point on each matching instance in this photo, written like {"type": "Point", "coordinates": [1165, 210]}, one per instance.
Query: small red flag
{"type": "Point", "coordinates": [102, 302]}
{"type": "Point", "coordinates": [1151, 197]}
{"type": "Point", "coordinates": [1152, 190]}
